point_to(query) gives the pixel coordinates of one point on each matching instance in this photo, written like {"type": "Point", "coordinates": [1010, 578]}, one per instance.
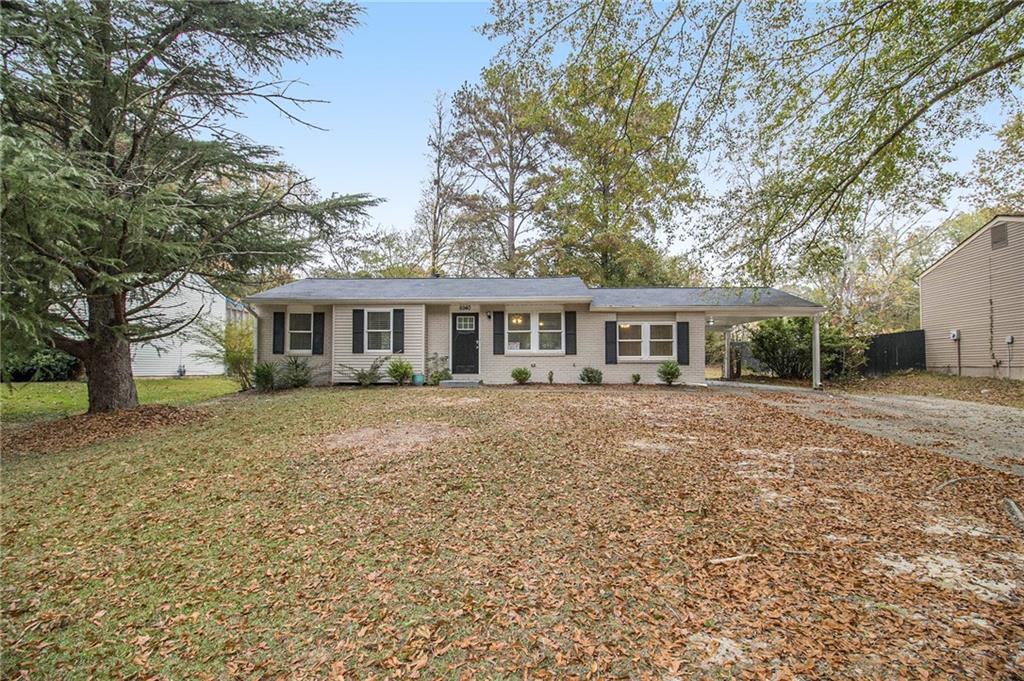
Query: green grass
{"type": "Point", "coordinates": [26, 402]}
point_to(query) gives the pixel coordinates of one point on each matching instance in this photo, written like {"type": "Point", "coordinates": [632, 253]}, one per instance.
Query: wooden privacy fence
{"type": "Point", "coordinates": [890, 352]}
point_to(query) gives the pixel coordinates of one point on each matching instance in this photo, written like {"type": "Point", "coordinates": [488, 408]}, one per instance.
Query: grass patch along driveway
{"type": "Point", "coordinates": [27, 402]}
{"type": "Point", "coordinates": [607, 532]}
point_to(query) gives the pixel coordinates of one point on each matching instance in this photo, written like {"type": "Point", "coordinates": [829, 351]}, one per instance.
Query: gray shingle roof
{"type": "Point", "coordinates": [551, 289]}
{"type": "Point", "coordinates": [428, 289]}
{"type": "Point", "coordinates": [695, 297]}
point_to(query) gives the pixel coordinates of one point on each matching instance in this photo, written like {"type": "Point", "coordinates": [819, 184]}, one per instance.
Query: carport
{"type": "Point", "coordinates": [760, 304]}
{"type": "Point", "coordinates": [724, 308]}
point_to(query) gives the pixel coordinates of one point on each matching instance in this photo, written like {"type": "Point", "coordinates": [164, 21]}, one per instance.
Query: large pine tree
{"type": "Point", "coordinates": [122, 176]}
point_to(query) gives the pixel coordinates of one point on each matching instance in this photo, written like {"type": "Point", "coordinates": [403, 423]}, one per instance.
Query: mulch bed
{"type": "Point", "coordinates": [78, 431]}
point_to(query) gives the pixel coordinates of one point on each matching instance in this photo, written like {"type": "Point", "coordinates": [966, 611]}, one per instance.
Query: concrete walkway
{"type": "Point", "coordinates": [990, 435]}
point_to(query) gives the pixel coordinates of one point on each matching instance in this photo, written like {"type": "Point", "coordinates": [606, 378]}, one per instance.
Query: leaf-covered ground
{"type": "Point", "coordinates": [931, 384]}
{"type": "Point", "coordinates": [608, 532]}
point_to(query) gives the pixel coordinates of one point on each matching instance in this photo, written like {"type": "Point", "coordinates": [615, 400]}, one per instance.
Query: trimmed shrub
{"type": "Point", "coordinates": [40, 364]}
{"type": "Point", "coordinates": [400, 370]}
{"type": "Point", "coordinates": [521, 375]}
{"type": "Point", "coordinates": [591, 376]}
{"type": "Point", "coordinates": [437, 369]}
{"type": "Point", "coordinates": [264, 376]}
{"type": "Point", "coordinates": [295, 373]}
{"type": "Point", "coordinates": [367, 376]}
{"type": "Point", "coordinates": [784, 346]}
{"type": "Point", "coordinates": [669, 372]}
{"type": "Point", "coordinates": [636, 379]}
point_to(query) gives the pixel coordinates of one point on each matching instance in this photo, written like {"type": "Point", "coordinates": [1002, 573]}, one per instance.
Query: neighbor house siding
{"type": "Point", "coordinates": [497, 369]}
{"type": "Point", "coordinates": [980, 291]}
{"type": "Point", "coordinates": [319, 364]}
{"type": "Point", "coordinates": [163, 356]}
{"type": "Point", "coordinates": [415, 339]}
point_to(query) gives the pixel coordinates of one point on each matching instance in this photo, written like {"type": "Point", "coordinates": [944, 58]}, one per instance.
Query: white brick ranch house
{"type": "Point", "coordinates": [489, 326]}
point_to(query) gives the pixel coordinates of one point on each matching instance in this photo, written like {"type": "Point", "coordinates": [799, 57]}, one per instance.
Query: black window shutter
{"type": "Point", "coordinates": [683, 342]}
{"type": "Point", "coordinates": [318, 333]}
{"type": "Point", "coordinates": [611, 355]}
{"type": "Point", "coordinates": [570, 333]}
{"type": "Point", "coordinates": [398, 330]}
{"type": "Point", "coordinates": [279, 333]}
{"type": "Point", "coordinates": [357, 332]}
{"type": "Point", "coordinates": [499, 333]}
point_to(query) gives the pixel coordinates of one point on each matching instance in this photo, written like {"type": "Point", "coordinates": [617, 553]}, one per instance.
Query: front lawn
{"type": "Point", "coordinates": [498, 533]}
{"type": "Point", "coordinates": [35, 401]}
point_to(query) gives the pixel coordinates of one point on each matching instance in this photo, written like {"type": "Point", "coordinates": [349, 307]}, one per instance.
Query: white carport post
{"type": "Point", "coordinates": [726, 363]}
{"type": "Point", "coordinates": [816, 354]}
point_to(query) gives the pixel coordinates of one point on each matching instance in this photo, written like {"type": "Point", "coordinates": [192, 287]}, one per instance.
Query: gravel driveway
{"type": "Point", "coordinates": [990, 435]}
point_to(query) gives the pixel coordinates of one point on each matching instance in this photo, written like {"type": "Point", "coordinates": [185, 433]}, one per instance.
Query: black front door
{"type": "Point", "coordinates": [465, 343]}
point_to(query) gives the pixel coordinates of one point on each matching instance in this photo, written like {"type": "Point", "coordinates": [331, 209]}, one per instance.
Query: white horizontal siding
{"type": "Point", "coordinates": [319, 364]}
{"type": "Point", "coordinates": [497, 369]}
{"type": "Point", "coordinates": [415, 340]}
{"type": "Point", "coordinates": [163, 356]}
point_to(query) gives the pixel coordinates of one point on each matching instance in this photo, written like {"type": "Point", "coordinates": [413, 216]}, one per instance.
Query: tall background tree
{"type": "Point", "coordinates": [440, 220]}
{"type": "Point", "coordinates": [829, 103]}
{"type": "Point", "coordinates": [618, 179]}
{"type": "Point", "coordinates": [122, 176]}
{"type": "Point", "coordinates": [500, 139]}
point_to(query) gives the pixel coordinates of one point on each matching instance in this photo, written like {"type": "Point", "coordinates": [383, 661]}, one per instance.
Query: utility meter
{"type": "Point", "coordinates": [1009, 340]}
{"type": "Point", "coordinates": [954, 334]}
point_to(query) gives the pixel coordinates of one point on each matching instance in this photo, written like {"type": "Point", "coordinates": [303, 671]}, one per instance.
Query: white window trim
{"type": "Point", "coordinates": [645, 342]}
{"type": "Point", "coordinates": [367, 330]}
{"type": "Point", "coordinates": [534, 332]}
{"type": "Point", "coordinates": [297, 309]}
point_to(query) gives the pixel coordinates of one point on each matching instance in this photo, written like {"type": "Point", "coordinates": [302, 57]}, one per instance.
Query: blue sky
{"type": "Point", "coordinates": [380, 97]}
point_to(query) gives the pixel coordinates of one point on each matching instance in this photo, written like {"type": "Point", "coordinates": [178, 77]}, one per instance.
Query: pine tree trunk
{"type": "Point", "coordinates": [108, 363]}
{"type": "Point", "coordinates": [109, 376]}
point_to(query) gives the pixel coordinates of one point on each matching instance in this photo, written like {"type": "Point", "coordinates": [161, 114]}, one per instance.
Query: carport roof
{"type": "Point", "coordinates": [712, 297]}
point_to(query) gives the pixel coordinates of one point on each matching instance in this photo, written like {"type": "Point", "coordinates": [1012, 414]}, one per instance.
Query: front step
{"type": "Point", "coordinates": [460, 384]}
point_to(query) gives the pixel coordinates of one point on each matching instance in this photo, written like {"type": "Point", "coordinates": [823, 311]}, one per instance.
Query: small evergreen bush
{"type": "Point", "coordinates": [636, 379]}
{"type": "Point", "coordinates": [669, 372]}
{"type": "Point", "coordinates": [521, 375]}
{"type": "Point", "coordinates": [551, 377]}
{"type": "Point", "coordinates": [40, 364]}
{"type": "Point", "coordinates": [264, 376]}
{"type": "Point", "coordinates": [296, 373]}
{"type": "Point", "coordinates": [400, 370]}
{"type": "Point", "coordinates": [367, 376]}
{"type": "Point", "coordinates": [591, 376]}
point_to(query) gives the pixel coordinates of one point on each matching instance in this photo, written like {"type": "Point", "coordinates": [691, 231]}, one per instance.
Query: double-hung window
{"type": "Point", "coordinates": [300, 330]}
{"type": "Point", "coordinates": [534, 332]}
{"type": "Point", "coordinates": [647, 340]}
{"type": "Point", "coordinates": [378, 330]}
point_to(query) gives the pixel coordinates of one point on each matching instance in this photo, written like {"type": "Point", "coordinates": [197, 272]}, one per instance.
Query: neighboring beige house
{"type": "Point", "coordinates": [486, 327]}
{"type": "Point", "coordinates": [972, 303]}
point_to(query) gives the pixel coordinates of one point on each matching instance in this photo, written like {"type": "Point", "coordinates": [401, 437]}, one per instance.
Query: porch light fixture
{"type": "Point", "coordinates": [711, 321]}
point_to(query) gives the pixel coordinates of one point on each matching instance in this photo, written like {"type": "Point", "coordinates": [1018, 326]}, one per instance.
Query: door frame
{"type": "Point", "coordinates": [451, 341]}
